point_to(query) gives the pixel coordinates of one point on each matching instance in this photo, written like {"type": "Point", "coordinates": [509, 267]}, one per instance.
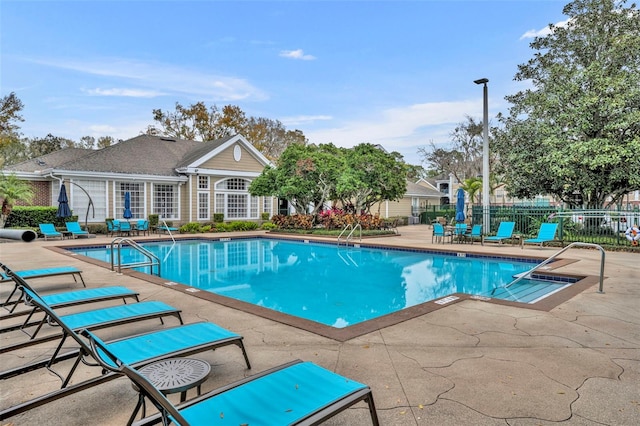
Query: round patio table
{"type": "Point", "coordinates": [173, 375]}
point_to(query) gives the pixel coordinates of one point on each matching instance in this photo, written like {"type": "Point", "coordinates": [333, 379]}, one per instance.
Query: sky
{"type": "Point", "coordinates": [395, 73]}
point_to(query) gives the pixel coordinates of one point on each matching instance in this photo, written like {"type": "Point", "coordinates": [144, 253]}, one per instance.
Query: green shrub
{"type": "Point", "coordinates": [264, 216]}
{"type": "Point", "coordinates": [268, 226]}
{"type": "Point", "coordinates": [218, 217]}
{"type": "Point", "coordinates": [190, 228]}
{"type": "Point", "coordinates": [153, 220]}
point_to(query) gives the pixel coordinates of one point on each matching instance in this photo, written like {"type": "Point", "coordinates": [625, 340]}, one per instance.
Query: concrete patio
{"type": "Point", "coordinates": [471, 362]}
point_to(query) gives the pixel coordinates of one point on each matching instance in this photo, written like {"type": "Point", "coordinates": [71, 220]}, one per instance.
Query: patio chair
{"type": "Point", "coordinates": [76, 230]}
{"type": "Point", "coordinates": [142, 226]}
{"type": "Point", "coordinates": [137, 350]}
{"type": "Point", "coordinates": [125, 228]}
{"type": "Point", "coordinates": [29, 274]}
{"type": "Point", "coordinates": [439, 232]}
{"type": "Point", "coordinates": [476, 232]}
{"type": "Point", "coordinates": [92, 319]}
{"type": "Point", "coordinates": [546, 233]}
{"type": "Point", "coordinates": [505, 232]}
{"type": "Point", "coordinates": [113, 226]}
{"type": "Point", "coordinates": [459, 232]}
{"type": "Point", "coordinates": [294, 393]}
{"type": "Point", "coordinates": [75, 297]}
{"type": "Point", "coordinates": [49, 231]}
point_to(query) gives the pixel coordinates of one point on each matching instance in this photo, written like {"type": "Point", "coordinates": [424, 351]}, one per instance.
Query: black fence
{"type": "Point", "coordinates": [604, 227]}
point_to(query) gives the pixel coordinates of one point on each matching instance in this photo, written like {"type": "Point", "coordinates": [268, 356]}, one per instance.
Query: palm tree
{"type": "Point", "coordinates": [472, 186]}
{"type": "Point", "coordinates": [12, 189]}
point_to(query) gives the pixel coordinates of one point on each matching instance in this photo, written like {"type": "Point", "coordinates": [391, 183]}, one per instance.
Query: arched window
{"type": "Point", "coordinates": [233, 199]}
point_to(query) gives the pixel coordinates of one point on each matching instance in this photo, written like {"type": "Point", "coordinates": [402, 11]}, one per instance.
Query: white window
{"type": "Point", "coordinates": [203, 206]}
{"type": "Point", "coordinates": [79, 192]}
{"type": "Point", "coordinates": [234, 201]}
{"type": "Point", "coordinates": [267, 205]}
{"type": "Point", "coordinates": [136, 198]}
{"type": "Point", "coordinates": [165, 200]}
{"type": "Point", "coordinates": [203, 198]}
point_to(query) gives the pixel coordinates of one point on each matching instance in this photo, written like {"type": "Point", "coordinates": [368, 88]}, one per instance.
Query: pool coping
{"type": "Point", "coordinates": [350, 332]}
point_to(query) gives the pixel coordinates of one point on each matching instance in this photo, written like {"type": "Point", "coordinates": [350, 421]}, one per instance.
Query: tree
{"type": "Point", "coordinates": [10, 107]}
{"type": "Point", "coordinates": [371, 175]}
{"type": "Point", "coordinates": [305, 176]}
{"type": "Point", "coordinates": [472, 186]}
{"type": "Point", "coordinates": [197, 122]}
{"type": "Point", "coordinates": [105, 141]}
{"type": "Point", "coordinates": [577, 129]}
{"type": "Point", "coordinates": [48, 144]}
{"type": "Point", "coordinates": [464, 158]}
{"type": "Point", "coordinates": [12, 190]}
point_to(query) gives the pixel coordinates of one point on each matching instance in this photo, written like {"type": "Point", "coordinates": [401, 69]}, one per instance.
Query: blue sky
{"type": "Point", "coordinates": [397, 73]}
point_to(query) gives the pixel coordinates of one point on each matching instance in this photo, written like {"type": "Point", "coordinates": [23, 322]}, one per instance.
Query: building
{"type": "Point", "coordinates": [180, 180]}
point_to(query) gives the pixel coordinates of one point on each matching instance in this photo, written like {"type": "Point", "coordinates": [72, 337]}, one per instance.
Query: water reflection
{"type": "Point", "coordinates": [334, 286]}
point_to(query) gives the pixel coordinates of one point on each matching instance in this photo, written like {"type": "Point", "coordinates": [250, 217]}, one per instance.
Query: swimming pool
{"type": "Point", "coordinates": [334, 286]}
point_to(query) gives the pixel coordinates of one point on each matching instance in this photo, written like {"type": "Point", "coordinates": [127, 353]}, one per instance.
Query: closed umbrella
{"type": "Point", "coordinates": [63, 203]}
{"type": "Point", "coordinates": [460, 206]}
{"type": "Point", "coordinates": [127, 206]}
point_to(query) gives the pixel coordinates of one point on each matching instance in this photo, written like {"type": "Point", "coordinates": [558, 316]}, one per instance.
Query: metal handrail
{"type": "Point", "coordinates": [166, 228]}
{"type": "Point", "coordinates": [350, 235]}
{"type": "Point", "coordinates": [152, 258]}
{"type": "Point", "coordinates": [551, 258]}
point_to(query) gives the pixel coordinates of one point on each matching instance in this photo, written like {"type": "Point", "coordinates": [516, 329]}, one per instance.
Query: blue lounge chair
{"type": "Point", "coordinates": [546, 233]}
{"type": "Point", "coordinates": [294, 393]}
{"type": "Point", "coordinates": [137, 350]}
{"type": "Point", "coordinates": [49, 231]}
{"type": "Point", "coordinates": [505, 232]}
{"type": "Point", "coordinates": [166, 229]}
{"type": "Point", "coordinates": [72, 298]}
{"type": "Point", "coordinates": [76, 231]}
{"type": "Point", "coordinates": [29, 274]}
{"type": "Point", "coordinates": [439, 233]}
{"type": "Point", "coordinates": [476, 232]}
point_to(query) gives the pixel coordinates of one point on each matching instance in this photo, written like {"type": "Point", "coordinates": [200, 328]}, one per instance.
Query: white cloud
{"type": "Point", "coordinates": [297, 54]}
{"type": "Point", "coordinates": [171, 80]}
{"type": "Point", "coordinates": [401, 129]}
{"type": "Point", "coordinates": [133, 93]}
{"type": "Point", "coordinates": [543, 31]}
{"type": "Point", "coordinates": [302, 119]}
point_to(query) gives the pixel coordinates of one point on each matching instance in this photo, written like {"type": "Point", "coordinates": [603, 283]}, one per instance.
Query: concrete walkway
{"type": "Point", "coordinates": [472, 362]}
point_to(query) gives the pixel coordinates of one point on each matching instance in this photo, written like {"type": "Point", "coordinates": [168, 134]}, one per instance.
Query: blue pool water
{"type": "Point", "coordinates": [335, 286]}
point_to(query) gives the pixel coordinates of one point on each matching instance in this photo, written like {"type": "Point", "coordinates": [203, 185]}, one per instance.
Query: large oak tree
{"type": "Point", "coordinates": [576, 130]}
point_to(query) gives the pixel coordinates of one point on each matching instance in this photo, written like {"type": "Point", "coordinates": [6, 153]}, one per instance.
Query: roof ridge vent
{"type": "Point", "coordinates": [168, 139]}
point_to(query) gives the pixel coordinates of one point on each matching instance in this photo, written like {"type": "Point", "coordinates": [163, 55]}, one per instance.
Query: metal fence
{"type": "Point", "coordinates": [604, 227]}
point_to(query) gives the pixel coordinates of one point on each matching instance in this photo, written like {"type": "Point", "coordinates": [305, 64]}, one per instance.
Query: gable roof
{"type": "Point", "coordinates": [415, 190]}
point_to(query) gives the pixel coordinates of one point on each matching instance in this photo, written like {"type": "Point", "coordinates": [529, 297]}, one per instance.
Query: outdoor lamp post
{"type": "Point", "coordinates": [485, 156]}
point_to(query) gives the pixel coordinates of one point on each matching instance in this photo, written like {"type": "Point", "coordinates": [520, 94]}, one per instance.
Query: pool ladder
{"type": "Point", "coordinates": [350, 235]}
{"type": "Point", "coordinates": [553, 257]}
{"type": "Point", "coordinates": [116, 244]}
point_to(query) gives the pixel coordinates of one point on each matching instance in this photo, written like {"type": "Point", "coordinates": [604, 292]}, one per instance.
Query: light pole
{"type": "Point", "coordinates": [485, 157]}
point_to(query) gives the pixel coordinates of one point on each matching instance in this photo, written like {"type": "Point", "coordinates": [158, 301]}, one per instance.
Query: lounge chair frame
{"type": "Point", "coordinates": [33, 274]}
{"type": "Point", "coordinates": [168, 412]}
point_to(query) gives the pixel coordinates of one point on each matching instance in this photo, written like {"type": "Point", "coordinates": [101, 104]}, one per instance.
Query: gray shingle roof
{"type": "Point", "coordinates": [52, 160]}
{"type": "Point", "coordinates": [151, 155]}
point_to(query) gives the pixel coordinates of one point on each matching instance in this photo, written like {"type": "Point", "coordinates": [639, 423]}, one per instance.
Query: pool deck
{"type": "Point", "coordinates": [471, 362]}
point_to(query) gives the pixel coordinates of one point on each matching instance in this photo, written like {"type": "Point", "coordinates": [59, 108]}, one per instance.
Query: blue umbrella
{"type": "Point", "coordinates": [63, 203]}
{"type": "Point", "coordinates": [127, 206]}
{"type": "Point", "coordinates": [460, 205]}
